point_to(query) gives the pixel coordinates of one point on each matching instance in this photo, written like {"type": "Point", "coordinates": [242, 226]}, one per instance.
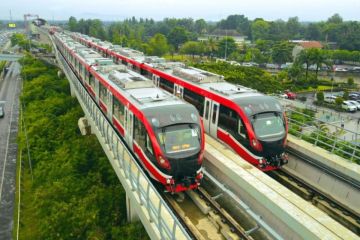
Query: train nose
{"type": "Point", "coordinates": [272, 148]}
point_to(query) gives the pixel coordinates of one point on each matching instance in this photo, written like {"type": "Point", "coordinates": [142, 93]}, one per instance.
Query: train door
{"type": "Point", "coordinates": [178, 90]}
{"type": "Point", "coordinates": [156, 80]}
{"type": "Point", "coordinates": [211, 117]}
{"type": "Point", "coordinates": [129, 123]}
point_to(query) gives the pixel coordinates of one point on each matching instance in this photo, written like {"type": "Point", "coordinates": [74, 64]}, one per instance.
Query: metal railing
{"type": "Point", "coordinates": [324, 135]}
{"type": "Point", "coordinates": [127, 169]}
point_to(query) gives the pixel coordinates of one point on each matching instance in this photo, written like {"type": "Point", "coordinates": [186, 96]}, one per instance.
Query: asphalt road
{"type": "Point", "coordinates": [9, 92]}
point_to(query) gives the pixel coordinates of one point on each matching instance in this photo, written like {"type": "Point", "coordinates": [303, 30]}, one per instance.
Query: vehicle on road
{"type": "Point", "coordinates": [355, 103]}
{"type": "Point", "coordinates": [348, 106]}
{"type": "Point", "coordinates": [330, 99]}
{"type": "Point", "coordinates": [290, 95]}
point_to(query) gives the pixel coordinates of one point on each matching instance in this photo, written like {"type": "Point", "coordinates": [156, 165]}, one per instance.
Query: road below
{"type": "Point", "coordinates": [9, 92]}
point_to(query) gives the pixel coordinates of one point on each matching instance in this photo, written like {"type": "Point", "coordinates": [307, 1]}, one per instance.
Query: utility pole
{"type": "Point", "coordinates": [225, 43]}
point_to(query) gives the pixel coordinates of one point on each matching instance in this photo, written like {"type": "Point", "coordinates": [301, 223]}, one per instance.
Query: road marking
{"type": "Point", "coordinates": [8, 140]}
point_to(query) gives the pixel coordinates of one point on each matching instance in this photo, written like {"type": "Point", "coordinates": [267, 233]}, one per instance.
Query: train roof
{"type": "Point", "coordinates": [129, 83]}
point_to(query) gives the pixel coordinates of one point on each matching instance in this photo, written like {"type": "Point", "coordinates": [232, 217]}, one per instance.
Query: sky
{"type": "Point", "coordinates": [306, 10]}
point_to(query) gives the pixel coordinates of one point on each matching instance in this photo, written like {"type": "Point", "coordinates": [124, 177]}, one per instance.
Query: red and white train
{"type": "Point", "coordinates": [164, 132]}
{"type": "Point", "coordinates": [251, 123]}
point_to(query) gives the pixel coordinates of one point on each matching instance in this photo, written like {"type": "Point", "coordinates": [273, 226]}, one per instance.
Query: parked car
{"type": "Point", "coordinates": [355, 103]}
{"type": "Point", "coordinates": [330, 99]}
{"type": "Point", "coordinates": [272, 66]}
{"type": "Point", "coordinates": [348, 106]}
{"type": "Point", "coordinates": [290, 95]}
{"type": "Point", "coordinates": [339, 69]}
{"type": "Point", "coordinates": [354, 96]}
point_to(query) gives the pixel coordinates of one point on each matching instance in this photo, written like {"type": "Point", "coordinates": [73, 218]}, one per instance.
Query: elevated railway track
{"type": "Point", "coordinates": [230, 183]}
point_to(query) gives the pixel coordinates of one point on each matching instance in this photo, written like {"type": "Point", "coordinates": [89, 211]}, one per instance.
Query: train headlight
{"type": "Point", "coordinates": [163, 162]}
{"type": "Point", "coordinates": [254, 142]}
{"type": "Point", "coordinates": [168, 181]}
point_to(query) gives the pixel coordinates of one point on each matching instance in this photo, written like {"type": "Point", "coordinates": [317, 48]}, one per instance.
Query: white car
{"type": "Point", "coordinates": [330, 99]}
{"type": "Point", "coordinates": [355, 103]}
{"type": "Point", "coordinates": [348, 106]}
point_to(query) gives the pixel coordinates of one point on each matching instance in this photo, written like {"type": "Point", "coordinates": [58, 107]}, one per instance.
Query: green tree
{"type": "Point", "coordinates": [193, 48]}
{"type": "Point", "coordinates": [211, 46]}
{"type": "Point", "coordinates": [72, 23]}
{"type": "Point", "coordinates": [260, 29]}
{"type": "Point", "coordinates": [339, 101]}
{"type": "Point", "coordinates": [336, 19]}
{"type": "Point", "coordinates": [346, 95]}
{"type": "Point", "coordinates": [293, 27]}
{"type": "Point", "coordinates": [227, 46]}
{"type": "Point", "coordinates": [281, 52]}
{"type": "Point", "coordinates": [350, 81]}
{"type": "Point", "coordinates": [318, 58]}
{"type": "Point", "coordinates": [200, 26]}
{"type": "Point", "coordinates": [178, 36]}
{"type": "Point", "coordinates": [320, 96]}
{"type": "Point", "coordinates": [158, 45]}
{"type": "Point", "coordinates": [96, 29]}
{"type": "Point", "coordinates": [313, 31]}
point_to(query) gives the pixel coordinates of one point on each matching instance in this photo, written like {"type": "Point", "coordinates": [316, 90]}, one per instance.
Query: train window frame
{"type": "Point", "coordinates": [103, 94]}
{"type": "Point", "coordinates": [207, 108]}
{"type": "Point", "coordinates": [240, 127]}
{"type": "Point", "coordinates": [214, 113]}
{"type": "Point", "coordinates": [92, 81]}
{"type": "Point", "coordinates": [167, 85]}
{"type": "Point", "coordinates": [149, 144]}
{"type": "Point", "coordinates": [121, 111]}
{"type": "Point", "coordinates": [195, 99]}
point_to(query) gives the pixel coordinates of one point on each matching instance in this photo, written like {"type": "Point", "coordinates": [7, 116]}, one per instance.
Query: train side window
{"type": "Point", "coordinates": [118, 110]}
{"type": "Point", "coordinates": [167, 85]}
{"type": "Point", "coordinates": [149, 145]}
{"type": "Point", "coordinates": [207, 104]}
{"type": "Point", "coordinates": [103, 93]}
{"type": "Point", "coordinates": [87, 76]}
{"type": "Point", "coordinates": [92, 81]}
{"type": "Point", "coordinates": [242, 129]}
{"type": "Point", "coordinates": [195, 99]}
{"type": "Point", "coordinates": [228, 119]}
{"type": "Point", "coordinates": [214, 114]}
{"type": "Point", "coordinates": [139, 133]}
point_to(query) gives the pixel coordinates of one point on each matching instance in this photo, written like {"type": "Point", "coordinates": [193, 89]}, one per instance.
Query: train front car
{"type": "Point", "coordinates": [267, 137]}
{"type": "Point", "coordinates": [164, 132]}
{"type": "Point", "coordinates": [179, 147]}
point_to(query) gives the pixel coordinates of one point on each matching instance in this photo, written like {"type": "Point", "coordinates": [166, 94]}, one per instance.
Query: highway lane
{"type": "Point", "coordinates": [9, 92]}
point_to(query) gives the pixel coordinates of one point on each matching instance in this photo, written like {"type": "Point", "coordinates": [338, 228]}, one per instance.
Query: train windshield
{"type": "Point", "coordinates": [268, 125]}
{"type": "Point", "coordinates": [179, 138]}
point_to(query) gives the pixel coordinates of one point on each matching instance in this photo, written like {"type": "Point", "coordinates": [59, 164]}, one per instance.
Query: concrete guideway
{"type": "Point", "coordinates": [342, 180]}
{"type": "Point", "coordinates": [289, 215]}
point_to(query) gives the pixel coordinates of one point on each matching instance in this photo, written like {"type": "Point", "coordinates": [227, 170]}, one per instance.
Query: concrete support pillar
{"type": "Point", "coordinates": [72, 91]}
{"type": "Point", "coordinates": [59, 73]}
{"type": "Point", "coordinates": [130, 210]}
